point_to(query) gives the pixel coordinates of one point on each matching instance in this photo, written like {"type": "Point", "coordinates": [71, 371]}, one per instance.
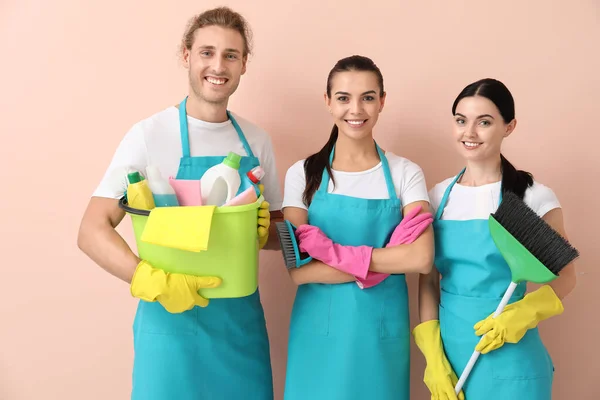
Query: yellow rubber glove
{"type": "Point", "coordinates": [176, 292]}
{"type": "Point", "coordinates": [439, 376]}
{"type": "Point", "coordinates": [264, 220]}
{"type": "Point", "coordinates": [517, 318]}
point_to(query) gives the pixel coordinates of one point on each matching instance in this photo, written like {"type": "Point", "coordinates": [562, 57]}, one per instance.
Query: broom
{"type": "Point", "coordinates": [292, 256]}
{"type": "Point", "coordinates": [533, 250]}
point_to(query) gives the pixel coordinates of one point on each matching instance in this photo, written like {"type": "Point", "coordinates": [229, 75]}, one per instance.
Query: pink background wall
{"type": "Point", "coordinates": [76, 75]}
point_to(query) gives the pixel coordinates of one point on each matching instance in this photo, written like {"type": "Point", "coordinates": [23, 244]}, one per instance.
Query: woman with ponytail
{"type": "Point", "coordinates": [349, 331]}
{"type": "Point", "coordinates": [456, 310]}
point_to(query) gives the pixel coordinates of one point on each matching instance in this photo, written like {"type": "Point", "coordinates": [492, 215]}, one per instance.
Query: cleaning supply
{"type": "Point", "coordinates": [183, 228]}
{"type": "Point", "coordinates": [176, 292]}
{"type": "Point", "coordinates": [162, 192]}
{"type": "Point", "coordinates": [408, 230]}
{"type": "Point", "coordinates": [187, 191]}
{"type": "Point", "coordinates": [533, 250]}
{"type": "Point", "coordinates": [439, 376]}
{"type": "Point", "coordinates": [292, 256]}
{"type": "Point", "coordinates": [517, 318]}
{"type": "Point", "coordinates": [220, 183]}
{"type": "Point", "coordinates": [353, 260]}
{"type": "Point", "coordinates": [249, 188]}
{"type": "Point", "coordinates": [139, 194]}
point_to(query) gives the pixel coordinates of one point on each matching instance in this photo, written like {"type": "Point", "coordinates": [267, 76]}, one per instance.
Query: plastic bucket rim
{"type": "Point", "coordinates": [219, 210]}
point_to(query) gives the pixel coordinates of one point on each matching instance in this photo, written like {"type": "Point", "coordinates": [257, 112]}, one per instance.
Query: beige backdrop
{"type": "Point", "coordinates": [75, 75]}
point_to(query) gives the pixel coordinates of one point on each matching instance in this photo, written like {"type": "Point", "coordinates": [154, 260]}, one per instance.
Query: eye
{"type": "Point", "coordinates": [343, 98]}
{"type": "Point", "coordinates": [369, 98]}
{"type": "Point", "coordinates": [484, 123]}
{"type": "Point", "coordinates": [232, 56]}
{"type": "Point", "coordinates": [205, 53]}
{"type": "Point", "coordinates": [460, 121]}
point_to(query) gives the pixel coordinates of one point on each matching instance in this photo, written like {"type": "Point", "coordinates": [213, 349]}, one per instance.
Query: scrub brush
{"type": "Point", "coordinates": [292, 256]}
{"type": "Point", "coordinates": [533, 250]}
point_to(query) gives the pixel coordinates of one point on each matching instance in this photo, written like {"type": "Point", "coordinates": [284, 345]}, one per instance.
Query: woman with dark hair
{"type": "Point", "coordinates": [457, 309]}
{"type": "Point", "coordinates": [349, 331]}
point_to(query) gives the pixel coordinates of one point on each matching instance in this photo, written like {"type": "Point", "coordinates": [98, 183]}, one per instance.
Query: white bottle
{"type": "Point", "coordinates": [162, 191]}
{"type": "Point", "coordinates": [220, 183]}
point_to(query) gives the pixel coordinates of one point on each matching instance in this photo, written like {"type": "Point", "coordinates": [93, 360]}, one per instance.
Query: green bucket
{"type": "Point", "coordinates": [232, 252]}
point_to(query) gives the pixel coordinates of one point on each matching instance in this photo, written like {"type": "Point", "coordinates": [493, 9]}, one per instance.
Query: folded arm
{"type": "Point", "coordinates": [315, 271]}
{"type": "Point", "coordinates": [407, 258]}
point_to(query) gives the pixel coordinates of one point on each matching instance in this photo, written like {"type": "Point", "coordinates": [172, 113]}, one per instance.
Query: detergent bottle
{"type": "Point", "coordinates": [221, 182]}
{"type": "Point", "coordinates": [162, 192]}
{"type": "Point", "coordinates": [139, 194]}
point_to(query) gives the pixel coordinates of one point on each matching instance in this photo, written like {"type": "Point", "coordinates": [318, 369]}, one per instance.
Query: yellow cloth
{"type": "Point", "coordinates": [264, 221]}
{"type": "Point", "coordinates": [176, 292]}
{"type": "Point", "coordinates": [184, 228]}
{"type": "Point", "coordinates": [439, 376]}
{"type": "Point", "coordinates": [517, 318]}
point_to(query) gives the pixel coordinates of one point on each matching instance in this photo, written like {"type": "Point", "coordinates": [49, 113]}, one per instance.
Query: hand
{"type": "Point", "coordinates": [439, 376]}
{"type": "Point", "coordinates": [409, 229]}
{"type": "Point", "coordinates": [353, 260]}
{"type": "Point", "coordinates": [517, 318]}
{"type": "Point", "coordinates": [176, 292]}
{"type": "Point", "coordinates": [264, 220]}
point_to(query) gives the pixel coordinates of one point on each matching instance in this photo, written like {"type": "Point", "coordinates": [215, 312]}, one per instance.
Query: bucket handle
{"type": "Point", "coordinates": [136, 211]}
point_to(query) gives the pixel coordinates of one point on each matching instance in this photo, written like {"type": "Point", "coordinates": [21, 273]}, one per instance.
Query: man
{"type": "Point", "coordinates": [220, 349]}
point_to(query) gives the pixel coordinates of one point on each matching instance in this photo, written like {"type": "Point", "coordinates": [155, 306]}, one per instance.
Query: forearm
{"type": "Point", "coordinates": [429, 296]}
{"type": "Point", "coordinates": [108, 249]}
{"type": "Point", "coordinates": [565, 283]}
{"type": "Point", "coordinates": [416, 257]}
{"type": "Point", "coordinates": [317, 272]}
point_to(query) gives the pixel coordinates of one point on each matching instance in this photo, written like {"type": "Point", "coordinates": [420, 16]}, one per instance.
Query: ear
{"type": "Point", "coordinates": [186, 58]}
{"type": "Point", "coordinates": [244, 62]}
{"type": "Point", "coordinates": [382, 101]}
{"type": "Point", "coordinates": [327, 101]}
{"type": "Point", "coordinates": [510, 127]}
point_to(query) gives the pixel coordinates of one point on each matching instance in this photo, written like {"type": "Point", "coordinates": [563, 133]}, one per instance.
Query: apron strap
{"type": "Point", "coordinates": [183, 128]}
{"type": "Point", "coordinates": [386, 173]}
{"type": "Point", "coordinates": [240, 135]}
{"type": "Point", "coordinates": [442, 205]}
{"type": "Point", "coordinates": [183, 131]}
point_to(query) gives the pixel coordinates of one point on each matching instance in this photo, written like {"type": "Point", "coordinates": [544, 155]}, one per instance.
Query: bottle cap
{"type": "Point", "coordinates": [232, 160]}
{"type": "Point", "coordinates": [256, 174]}
{"type": "Point", "coordinates": [134, 177]}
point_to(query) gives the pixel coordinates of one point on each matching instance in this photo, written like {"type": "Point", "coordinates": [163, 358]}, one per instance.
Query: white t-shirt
{"type": "Point", "coordinates": [409, 182]}
{"type": "Point", "coordinates": [156, 141]}
{"type": "Point", "coordinates": [478, 202]}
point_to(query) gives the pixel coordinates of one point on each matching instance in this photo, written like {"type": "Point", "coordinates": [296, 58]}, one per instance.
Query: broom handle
{"type": "Point", "coordinates": [463, 377]}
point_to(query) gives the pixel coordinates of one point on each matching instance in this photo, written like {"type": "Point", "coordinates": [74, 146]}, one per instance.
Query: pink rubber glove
{"type": "Point", "coordinates": [353, 260]}
{"type": "Point", "coordinates": [409, 229]}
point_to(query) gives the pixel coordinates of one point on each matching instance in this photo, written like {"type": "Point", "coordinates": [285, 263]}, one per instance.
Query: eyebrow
{"type": "Point", "coordinates": [480, 116]}
{"type": "Point", "coordinates": [367, 92]}
{"type": "Point", "coordinates": [207, 47]}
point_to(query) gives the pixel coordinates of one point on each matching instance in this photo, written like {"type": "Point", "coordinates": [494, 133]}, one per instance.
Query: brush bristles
{"type": "Point", "coordinates": [535, 234]}
{"type": "Point", "coordinates": [287, 246]}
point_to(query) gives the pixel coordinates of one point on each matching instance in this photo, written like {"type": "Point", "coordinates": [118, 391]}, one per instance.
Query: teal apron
{"type": "Point", "coordinates": [474, 279]}
{"type": "Point", "coordinates": [220, 352]}
{"type": "Point", "coordinates": [346, 343]}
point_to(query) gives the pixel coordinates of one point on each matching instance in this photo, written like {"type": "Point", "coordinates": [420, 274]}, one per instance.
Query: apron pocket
{"type": "Point", "coordinates": [527, 359]}
{"type": "Point", "coordinates": [395, 321]}
{"type": "Point", "coordinates": [152, 318]}
{"type": "Point", "coordinates": [312, 308]}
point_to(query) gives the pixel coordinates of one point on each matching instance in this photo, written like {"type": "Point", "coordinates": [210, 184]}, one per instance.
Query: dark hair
{"type": "Point", "coordinates": [316, 163]}
{"type": "Point", "coordinates": [513, 180]}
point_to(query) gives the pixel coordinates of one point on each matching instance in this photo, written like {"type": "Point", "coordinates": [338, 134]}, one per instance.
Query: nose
{"type": "Point", "coordinates": [471, 130]}
{"type": "Point", "coordinates": [356, 107]}
{"type": "Point", "coordinates": [218, 65]}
